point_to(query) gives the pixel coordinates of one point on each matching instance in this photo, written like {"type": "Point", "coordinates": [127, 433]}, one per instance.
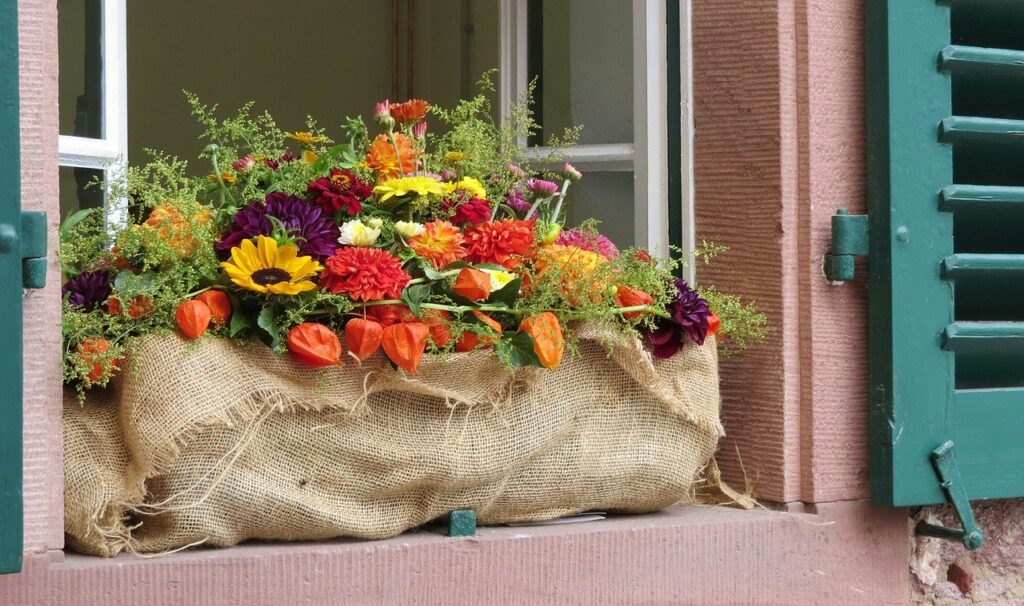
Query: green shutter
{"type": "Point", "coordinates": [10, 294]}
{"type": "Point", "coordinates": [946, 221]}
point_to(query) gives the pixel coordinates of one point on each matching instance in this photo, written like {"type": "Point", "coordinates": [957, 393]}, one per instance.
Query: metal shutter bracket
{"type": "Point", "coordinates": [949, 478]}
{"type": "Point", "coordinates": [849, 241]}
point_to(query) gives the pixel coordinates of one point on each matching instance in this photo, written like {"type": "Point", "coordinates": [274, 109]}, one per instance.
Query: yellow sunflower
{"type": "Point", "coordinates": [265, 267]}
{"type": "Point", "coordinates": [396, 188]}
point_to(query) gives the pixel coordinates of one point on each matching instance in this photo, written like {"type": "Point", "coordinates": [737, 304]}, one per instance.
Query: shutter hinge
{"type": "Point", "coordinates": [849, 240]}
{"type": "Point", "coordinates": [33, 249]}
{"type": "Point", "coordinates": [949, 478]}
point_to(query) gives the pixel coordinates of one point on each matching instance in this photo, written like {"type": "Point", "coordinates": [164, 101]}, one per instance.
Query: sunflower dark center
{"type": "Point", "coordinates": [270, 275]}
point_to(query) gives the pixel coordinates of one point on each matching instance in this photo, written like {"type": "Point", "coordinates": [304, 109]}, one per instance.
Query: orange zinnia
{"type": "Point", "coordinates": [381, 156]}
{"type": "Point", "coordinates": [440, 243]}
{"type": "Point", "coordinates": [412, 110]}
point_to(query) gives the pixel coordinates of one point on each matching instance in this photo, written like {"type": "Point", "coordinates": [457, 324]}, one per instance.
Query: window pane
{"type": "Point", "coordinates": [607, 197]}
{"type": "Point", "coordinates": [581, 52]}
{"type": "Point", "coordinates": [81, 68]}
{"type": "Point", "coordinates": [325, 58]}
{"type": "Point", "coordinates": [77, 191]}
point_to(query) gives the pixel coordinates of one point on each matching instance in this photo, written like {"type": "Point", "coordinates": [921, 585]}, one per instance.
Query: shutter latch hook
{"type": "Point", "coordinates": [949, 477]}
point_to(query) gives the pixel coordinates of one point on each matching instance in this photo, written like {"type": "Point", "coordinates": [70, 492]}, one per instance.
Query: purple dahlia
{"type": "Point", "coordinates": [689, 319]}
{"type": "Point", "coordinates": [316, 233]}
{"type": "Point", "coordinates": [588, 240]}
{"type": "Point", "coordinates": [88, 290]}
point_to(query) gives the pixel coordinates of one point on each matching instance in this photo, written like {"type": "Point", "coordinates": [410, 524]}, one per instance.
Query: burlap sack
{"type": "Point", "coordinates": [212, 442]}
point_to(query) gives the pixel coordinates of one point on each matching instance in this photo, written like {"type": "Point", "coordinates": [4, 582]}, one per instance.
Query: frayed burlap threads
{"type": "Point", "coordinates": [215, 443]}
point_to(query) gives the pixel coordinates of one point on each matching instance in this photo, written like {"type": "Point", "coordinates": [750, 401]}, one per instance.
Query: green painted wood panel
{"type": "Point", "coordinates": [10, 296]}
{"type": "Point", "coordinates": [946, 195]}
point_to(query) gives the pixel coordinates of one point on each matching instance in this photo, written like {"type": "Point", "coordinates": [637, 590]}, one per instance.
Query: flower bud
{"type": "Point", "coordinates": [419, 130]}
{"type": "Point", "coordinates": [571, 173]}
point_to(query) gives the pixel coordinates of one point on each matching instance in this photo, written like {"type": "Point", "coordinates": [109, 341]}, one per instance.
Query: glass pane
{"type": "Point", "coordinates": [325, 58]}
{"type": "Point", "coordinates": [77, 190]}
{"type": "Point", "coordinates": [81, 68]}
{"type": "Point", "coordinates": [581, 52]}
{"type": "Point", "coordinates": [607, 197]}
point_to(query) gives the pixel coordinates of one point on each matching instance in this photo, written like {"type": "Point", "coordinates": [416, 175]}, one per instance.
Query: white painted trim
{"type": "Point", "coordinates": [109, 153]}
{"type": "Point", "coordinates": [650, 125]}
{"type": "Point", "coordinates": [512, 73]}
{"type": "Point", "coordinates": [595, 157]}
{"type": "Point", "coordinates": [687, 199]}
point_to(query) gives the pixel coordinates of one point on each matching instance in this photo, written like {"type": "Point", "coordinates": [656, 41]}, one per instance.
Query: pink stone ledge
{"type": "Point", "coordinates": [844, 552]}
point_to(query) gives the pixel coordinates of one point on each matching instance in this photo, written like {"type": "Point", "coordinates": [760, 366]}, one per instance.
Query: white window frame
{"type": "Point", "coordinates": [647, 156]}
{"type": "Point", "coordinates": [110, 152]}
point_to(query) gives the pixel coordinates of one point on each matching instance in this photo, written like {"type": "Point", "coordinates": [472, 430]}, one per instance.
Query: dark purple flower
{"type": "Point", "coordinates": [316, 234]}
{"type": "Point", "coordinates": [88, 290]}
{"type": "Point", "coordinates": [690, 314]}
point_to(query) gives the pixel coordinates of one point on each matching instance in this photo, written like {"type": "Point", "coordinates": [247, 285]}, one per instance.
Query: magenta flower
{"type": "Point", "coordinates": [589, 240]}
{"type": "Point", "coordinates": [541, 187]}
{"type": "Point", "coordinates": [244, 163]}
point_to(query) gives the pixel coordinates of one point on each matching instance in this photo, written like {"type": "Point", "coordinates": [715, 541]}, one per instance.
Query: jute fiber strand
{"type": "Point", "coordinates": [214, 443]}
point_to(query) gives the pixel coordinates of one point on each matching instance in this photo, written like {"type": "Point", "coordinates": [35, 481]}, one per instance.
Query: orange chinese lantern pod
{"type": "Point", "coordinates": [140, 306]}
{"type": "Point", "coordinates": [91, 351]}
{"type": "Point", "coordinates": [390, 314]}
{"type": "Point", "coordinates": [437, 323]}
{"type": "Point", "coordinates": [714, 323]}
{"type": "Point", "coordinates": [219, 304]}
{"type": "Point", "coordinates": [315, 345]}
{"type": "Point", "coordinates": [193, 318]}
{"type": "Point", "coordinates": [470, 340]}
{"type": "Point", "coordinates": [363, 337]}
{"type": "Point", "coordinates": [548, 343]}
{"type": "Point", "coordinates": [473, 284]}
{"type": "Point", "coordinates": [631, 297]}
{"type": "Point", "coordinates": [405, 343]}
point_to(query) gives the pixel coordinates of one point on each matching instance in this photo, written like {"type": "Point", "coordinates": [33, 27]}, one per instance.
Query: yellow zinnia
{"type": "Point", "coordinates": [305, 138]}
{"type": "Point", "coordinates": [469, 184]}
{"type": "Point", "coordinates": [265, 267]}
{"type": "Point", "coordinates": [396, 188]}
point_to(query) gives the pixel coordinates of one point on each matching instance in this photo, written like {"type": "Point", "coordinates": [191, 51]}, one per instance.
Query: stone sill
{"type": "Point", "coordinates": [705, 555]}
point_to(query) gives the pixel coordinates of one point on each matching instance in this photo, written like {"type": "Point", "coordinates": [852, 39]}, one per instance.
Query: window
{"type": "Point", "coordinates": [604, 64]}
{"type": "Point", "coordinates": [123, 69]}
{"type": "Point", "coordinates": [92, 100]}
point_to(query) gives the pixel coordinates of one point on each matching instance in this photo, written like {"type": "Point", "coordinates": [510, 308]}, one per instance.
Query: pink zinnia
{"type": "Point", "coordinates": [592, 241]}
{"type": "Point", "coordinates": [542, 187]}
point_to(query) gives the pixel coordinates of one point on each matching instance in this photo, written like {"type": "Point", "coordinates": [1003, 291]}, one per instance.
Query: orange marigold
{"type": "Point", "coordinates": [381, 156]}
{"type": "Point", "coordinates": [411, 111]}
{"type": "Point", "coordinates": [440, 243]}
{"type": "Point", "coordinates": [506, 242]}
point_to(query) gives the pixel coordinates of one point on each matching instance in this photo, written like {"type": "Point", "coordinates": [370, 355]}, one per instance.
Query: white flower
{"type": "Point", "coordinates": [409, 229]}
{"type": "Point", "coordinates": [375, 222]}
{"type": "Point", "coordinates": [356, 233]}
{"type": "Point", "coordinates": [499, 279]}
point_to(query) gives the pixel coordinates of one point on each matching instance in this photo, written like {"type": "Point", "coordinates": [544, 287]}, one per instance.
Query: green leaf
{"type": "Point", "coordinates": [271, 333]}
{"type": "Point", "coordinates": [240, 322]}
{"type": "Point", "coordinates": [73, 220]}
{"type": "Point", "coordinates": [128, 281]}
{"type": "Point", "coordinates": [416, 295]}
{"type": "Point", "coordinates": [507, 294]}
{"type": "Point", "coordinates": [437, 274]}
{"type": "Point", "coordinates": [516, 350]}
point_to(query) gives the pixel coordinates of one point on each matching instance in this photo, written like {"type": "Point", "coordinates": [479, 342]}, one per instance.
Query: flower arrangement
{"type": "Point", "coordinates": [402, 241]}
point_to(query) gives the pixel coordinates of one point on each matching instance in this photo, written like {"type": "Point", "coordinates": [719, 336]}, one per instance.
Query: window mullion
{"type": "Point", "coordinates": [650, 123]}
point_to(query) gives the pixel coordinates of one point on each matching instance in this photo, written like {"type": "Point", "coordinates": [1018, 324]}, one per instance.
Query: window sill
{"type": "Point", "coordinates": [707, 554]}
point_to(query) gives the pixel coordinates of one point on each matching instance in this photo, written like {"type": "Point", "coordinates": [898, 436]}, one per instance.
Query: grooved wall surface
{"type": "Point", "coordinates": [779, 112]}
{"type": "Point", "coordinates": [44, 477]}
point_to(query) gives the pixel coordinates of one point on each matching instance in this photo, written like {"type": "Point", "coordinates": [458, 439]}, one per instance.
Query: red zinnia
{"type": "Point", "coordinates": [474, 211]}
{"type": "Point", "coordinates": [364, 274]}
{"type": "Point", "coordinates": [342, 189]}
{"type": "Point", "coordinates": [503, 242]}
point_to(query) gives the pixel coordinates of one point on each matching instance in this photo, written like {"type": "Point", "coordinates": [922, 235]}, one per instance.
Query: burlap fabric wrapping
{"type": "Point", "coordinates": [212, 442]}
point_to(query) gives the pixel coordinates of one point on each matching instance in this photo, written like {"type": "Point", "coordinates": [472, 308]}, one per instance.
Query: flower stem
{"type": "Point", "coordinates": [561, 197]}
{"type": "Point", "coordinates": [398, 156]}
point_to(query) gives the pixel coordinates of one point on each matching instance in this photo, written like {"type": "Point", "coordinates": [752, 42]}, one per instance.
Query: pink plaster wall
{"type": "Point", "coordinates": [44, 478]}
{"type": "Point", "coordinates": [779, 112]}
